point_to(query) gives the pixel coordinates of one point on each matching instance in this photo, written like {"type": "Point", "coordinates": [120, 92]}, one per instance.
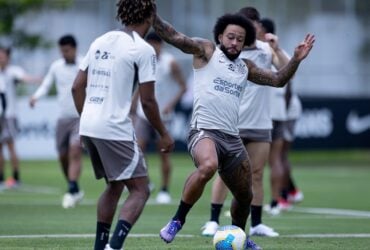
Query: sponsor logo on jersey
{"type": "Point", "coordinates": [227, 87]}
{"type": "Point", "coordinates": [96, 100]}
{"type": "Point", "coordinates": [101, 72]}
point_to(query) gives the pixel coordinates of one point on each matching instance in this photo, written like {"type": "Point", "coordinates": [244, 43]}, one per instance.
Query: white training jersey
{"type": "Point", "coordinates": [115, 61]}
{"type": "Point", "coordinates": [279, 111]}
{"type": "Point", "coordinates": [62, 75]}
{"type": "Point", "coordinates": [254, 112]}
{"type": "Point", "coordinates": [295, 108]}
{"type": "Point", "coordinates": [218, 88]}
{"type": "Point", "coordinates": [166, 88]}
{"type": "Point", "coordinates": [9, 77]}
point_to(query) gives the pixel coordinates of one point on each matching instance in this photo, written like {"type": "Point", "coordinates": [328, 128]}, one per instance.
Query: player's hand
{"type": "Point", "coordinates": [166, 143]}
{"type": "Point", "coordinates": [273, 40]}
{"type": "Point", "coordinates": [304, 48]}
{"type": "Point", "coordinates": [32, 102]}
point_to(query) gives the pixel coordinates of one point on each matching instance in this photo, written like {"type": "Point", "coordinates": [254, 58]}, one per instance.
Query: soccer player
{"type": "Point", "coordinates": [10, 77]}
{"type": "Point", "coordinates": [285, 110]}
{"type": "Point", "coordinates": [170, 86]}
{"type": "Point", "coordinates": [220, 78]}
{"type": "Point", "coordinates": [255, 127]}
{"type": "Point", "coordinates": [102, 93]}
{"type": "Point", "coordinates": [62, 73]}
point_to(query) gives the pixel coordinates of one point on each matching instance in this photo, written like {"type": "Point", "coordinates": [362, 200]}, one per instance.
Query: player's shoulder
{"type": "Point", "coordinates": [142, 46]}
{"type": "Point", "coordinates": [263, 45]}
{"type": "Point", "coordinates": [12, 68]}
{"type": "Point", "coordinates": [57, 63]}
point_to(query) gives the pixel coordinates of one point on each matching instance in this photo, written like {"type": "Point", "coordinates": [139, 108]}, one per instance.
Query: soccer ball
{"type": "Point", "coordinates": [229, 238]}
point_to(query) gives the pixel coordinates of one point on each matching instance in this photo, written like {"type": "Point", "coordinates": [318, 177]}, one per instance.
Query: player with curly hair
{"type": "Point", "coordinates": [220, 79]}
{"type": "Point", "coordinates": [102, 93]}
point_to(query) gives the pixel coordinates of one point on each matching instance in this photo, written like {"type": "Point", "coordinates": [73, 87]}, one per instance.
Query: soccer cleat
{"type": "Point", "coordinates": [107, 247]}
{"type": "Point", "coordinates": [295, 196]}
{"type": "Point", "coordinates": [169, 232]}
{"type": "Point", "coordinates": [12, 183]}
{"type": "Point", "coordinates": [273, 211]}
{"type": "Point", "coordinates": [263, 230]}
{"type": "Point", "coordinates": [71, 200]}
{"type": "Point", "coordinates": [284, 205]}
{"type": "Point", "coordinates": [210, 228]}
{"type": "Point", "coordinates": [249, 244]}
{"type": "Point", "coordinates": [163, 197]}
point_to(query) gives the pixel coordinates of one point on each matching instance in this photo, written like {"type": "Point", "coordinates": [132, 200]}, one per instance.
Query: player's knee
{"type": "Point", "coordinates": [257, 176]}
{"type": "Point", "coordinates": [206, 172]}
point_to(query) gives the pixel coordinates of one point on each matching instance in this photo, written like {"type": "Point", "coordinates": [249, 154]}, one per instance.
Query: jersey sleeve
{"type": "Point", "coordinates": [84, 64]}
{"type": "Point", "coordinates": [18, 73]}
{"type": "Point", "coordinates": [46, 84]}
{"type": "Point", "coordinates": [147, 62]}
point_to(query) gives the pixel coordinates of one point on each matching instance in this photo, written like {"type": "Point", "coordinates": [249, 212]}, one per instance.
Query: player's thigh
{"type": "Point", "coordinates": [258, 154]}
{"type": "Point", "coordinates": [205, 154]}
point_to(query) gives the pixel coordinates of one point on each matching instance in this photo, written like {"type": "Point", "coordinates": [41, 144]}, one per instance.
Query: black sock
{"type": "Point", "coordinates": [102, 235]}
{"type": "Point", "coordinates": [256, 215]}
{"type": "Point", "coordinates": [16, 175]}
{"type": "Point", "coordinates": [119, 235]}
{"type": "Point", "coordinates": [164, 189]}
{"type": "Point", "coordinates": [273, 203]}
{"type": "Point", "coordinates": [73, 187]}
{"type": "Point", "coordinates": [215, 212]}
{"type": "Point", "coordinates": [284, 194]}
{"type": "Point", "coordinates": [291, 186]}
{"type": "Point", "coordinates": [1, 177]}
{"type": "Point", "coordinates": [182, 211]}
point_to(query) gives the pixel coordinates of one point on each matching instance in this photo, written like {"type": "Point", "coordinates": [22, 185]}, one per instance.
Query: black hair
{"type": "Point", "coordinates": [7, 50]}
{"type": "Point", "coordinates": [67, 40]}
{"type": "Point", "coordinates": [268, 25]}
{"type": "Point", "coordinates": [250, 13]}
{"type": "Point", "coordinates": [236, 19]}
{"type": "Point", "coordinates": [134, 11]}
{"type": "Point", "coordinates": [152, 36]}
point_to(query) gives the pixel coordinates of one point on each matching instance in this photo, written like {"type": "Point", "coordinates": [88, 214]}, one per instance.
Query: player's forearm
{"type": "Point", "coordinates": [79, 96]}
{"type": "Point", "coordinates": [44, 88]}
{"type": "Point", "coordinates": [168, 33]}
{"type": "Point", "coordinates": [287, 72]}
{"type": "Point", "coordinates": [79, 90]}
{"type": "Point", "coordinates": [151, 111]}
{"type": "Point", "coordinates": [268, 77]}
{"type": "Point", "coordinates": [281, 58]}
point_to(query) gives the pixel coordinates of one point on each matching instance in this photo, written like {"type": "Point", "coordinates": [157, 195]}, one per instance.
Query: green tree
{"type": "Point", "coordinates": [10, 10]}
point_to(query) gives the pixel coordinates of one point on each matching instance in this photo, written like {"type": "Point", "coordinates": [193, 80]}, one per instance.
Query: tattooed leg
{"type": "Point", "coordinates": [239, 181]}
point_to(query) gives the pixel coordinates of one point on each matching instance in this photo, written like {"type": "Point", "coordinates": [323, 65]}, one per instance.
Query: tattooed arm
{"type": "Point", "coordinates": [200, 48]}
{"type": "Point", "coordinates": [281, 77]}
{"type": "Point", "coordinates": [269, 77]}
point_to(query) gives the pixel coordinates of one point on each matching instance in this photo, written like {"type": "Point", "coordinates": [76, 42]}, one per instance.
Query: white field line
{"type": "Point", "coordinates": [39, 236]}
{"type": "Point", "coordinates": [32, 189]}
{"type": "Point", "coordinates": [332, 211]}
{"type": "Point", "coordinates": [58, 202]}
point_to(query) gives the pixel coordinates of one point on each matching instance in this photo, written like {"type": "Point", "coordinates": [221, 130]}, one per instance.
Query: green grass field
{"type": "Point", "coordinates": [335, 213]}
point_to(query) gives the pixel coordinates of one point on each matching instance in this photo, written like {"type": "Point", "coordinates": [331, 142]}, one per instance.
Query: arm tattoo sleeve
{"type": "Point", "coordinates": [168, 33]}
{"type": "Point", "coordinates": [268, 77]}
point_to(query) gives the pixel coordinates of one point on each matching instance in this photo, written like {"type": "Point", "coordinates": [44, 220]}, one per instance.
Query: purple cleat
{"type": "Point", "coordinates": [169, 232]}
{"type": "Point", "coordinates": [249, 244]}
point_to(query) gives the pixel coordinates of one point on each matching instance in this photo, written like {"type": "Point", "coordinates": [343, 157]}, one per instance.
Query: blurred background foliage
{"type": "Point", "coordinates": [10, 10]}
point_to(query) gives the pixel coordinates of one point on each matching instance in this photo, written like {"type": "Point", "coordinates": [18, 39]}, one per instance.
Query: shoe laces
{"type": "Point", "coordinates": [174, 227]}
{"type": "Point", "coordinates": [250, 244]}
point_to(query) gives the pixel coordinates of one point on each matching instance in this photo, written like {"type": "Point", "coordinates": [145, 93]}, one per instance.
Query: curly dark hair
{"type": "Point", "coordinates": [251, 13]}
{"type": "Point", "coordinates": [134, 11]}
{"type": "Point", "coordinates": [236, 19]}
